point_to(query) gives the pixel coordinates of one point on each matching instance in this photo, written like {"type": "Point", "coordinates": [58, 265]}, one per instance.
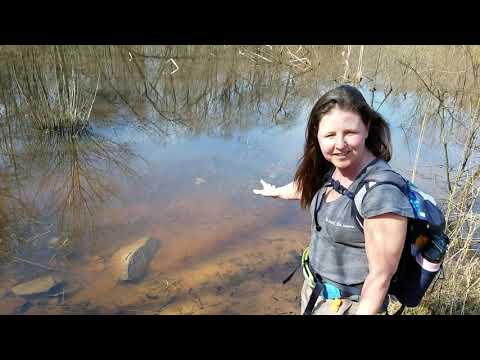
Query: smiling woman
{"type": "Point", "coordinates": [347, 271]}
{"type": "Point", "coordinates": [341, 136]}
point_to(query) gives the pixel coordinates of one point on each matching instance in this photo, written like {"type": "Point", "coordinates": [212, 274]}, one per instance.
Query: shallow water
{"type": "Point", "coordinates": [223, 250]}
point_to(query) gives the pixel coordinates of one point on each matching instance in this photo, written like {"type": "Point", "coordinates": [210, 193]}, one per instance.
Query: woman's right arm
{"type": "Point", "coordinates": [287, 192]}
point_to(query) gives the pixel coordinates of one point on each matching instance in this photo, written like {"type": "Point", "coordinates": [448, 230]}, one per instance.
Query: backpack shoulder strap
{"type": "Point", "coordinates": [370, 182]}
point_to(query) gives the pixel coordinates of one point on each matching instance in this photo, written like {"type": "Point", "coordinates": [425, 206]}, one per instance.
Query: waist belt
{"type": "Point", "coordinates": [333, 290]}
{"type": "Point", "coordinates": [329, 291]}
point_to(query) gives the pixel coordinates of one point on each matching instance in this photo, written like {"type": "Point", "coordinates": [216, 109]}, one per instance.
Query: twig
{"type": "Point", "coordinates": [385, 98]}
{"type": "Point", "coordinates": [419, 145]}
{"type": "Point", "coordinates": [263, 57]}
{"type": "Point", "coordinates": [35, 264]}
{"type": "Point", "coordinates": [429, 89]}
{"type": "Point", "coordinates": [174, 63]}
{"type": "Point", "coordinates": [40, 235]}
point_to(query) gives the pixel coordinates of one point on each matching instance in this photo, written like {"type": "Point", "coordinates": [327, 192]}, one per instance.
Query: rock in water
{"type": "Point", "coordinates": [131, 261]}
{"type": "Point", "coordinates": [35, 287]}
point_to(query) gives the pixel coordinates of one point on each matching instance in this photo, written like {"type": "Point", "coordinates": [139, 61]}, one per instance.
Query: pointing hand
{"type": "Point", "coordinates": [268, 189]}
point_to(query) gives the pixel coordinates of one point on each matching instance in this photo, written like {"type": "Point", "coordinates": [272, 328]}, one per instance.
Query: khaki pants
{"type": "Point", "coordinates": [325, 306]}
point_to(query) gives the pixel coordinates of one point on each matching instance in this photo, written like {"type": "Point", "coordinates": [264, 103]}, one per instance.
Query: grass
{"type": "Point", "coordinates": [459, 291]}
{"type": "Point", "coordinates": [451, 101]}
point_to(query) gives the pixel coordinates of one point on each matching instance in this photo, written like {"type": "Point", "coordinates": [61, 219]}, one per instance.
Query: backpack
{"type": "Point", "coordinates": [426, 242]}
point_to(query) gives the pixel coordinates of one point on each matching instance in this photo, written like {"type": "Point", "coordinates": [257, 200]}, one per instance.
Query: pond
{"type": "Point", "coordinates": [177, 138]}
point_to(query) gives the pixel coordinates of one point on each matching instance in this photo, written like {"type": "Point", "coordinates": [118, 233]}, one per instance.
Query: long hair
{"type": "Point", "coordinates": [312, 168]}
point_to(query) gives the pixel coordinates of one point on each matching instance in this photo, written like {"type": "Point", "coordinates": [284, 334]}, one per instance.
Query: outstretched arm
{"type": "Point", "coordinates": [287, 192]}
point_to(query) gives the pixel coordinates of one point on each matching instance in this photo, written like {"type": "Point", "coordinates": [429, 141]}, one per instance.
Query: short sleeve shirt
{"type": "Point", "coordinates": [337, 250]}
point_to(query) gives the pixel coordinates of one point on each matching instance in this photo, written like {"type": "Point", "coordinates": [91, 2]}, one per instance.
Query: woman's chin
{"type": "Point", "coordinates": [342, 162]}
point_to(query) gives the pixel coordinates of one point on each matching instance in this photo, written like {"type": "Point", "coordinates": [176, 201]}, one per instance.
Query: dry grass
{"type": "Point", "coordinates": [447, 79]}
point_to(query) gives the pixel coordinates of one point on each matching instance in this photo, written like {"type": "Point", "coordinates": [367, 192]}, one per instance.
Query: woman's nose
{"type": "Point", "coordinates": [339, 142]}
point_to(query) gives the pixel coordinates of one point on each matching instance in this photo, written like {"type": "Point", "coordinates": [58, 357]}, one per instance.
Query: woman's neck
{"type": "Point", "coordinates": [351, 172]}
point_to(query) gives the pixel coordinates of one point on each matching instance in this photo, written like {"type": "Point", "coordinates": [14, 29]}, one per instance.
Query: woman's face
{"type": "Point", "coordinates": [341, 136]}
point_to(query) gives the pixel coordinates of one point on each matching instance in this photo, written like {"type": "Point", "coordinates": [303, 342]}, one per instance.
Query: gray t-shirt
{"type": "Point", "coordinates": [337, 251]}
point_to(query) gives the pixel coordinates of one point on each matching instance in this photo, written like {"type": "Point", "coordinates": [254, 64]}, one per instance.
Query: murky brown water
{"type": "Point", "coordinates": [178, 166]}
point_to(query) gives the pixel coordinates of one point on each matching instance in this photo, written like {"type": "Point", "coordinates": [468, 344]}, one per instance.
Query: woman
{"type": "Point", "coordinates": [346, 141]}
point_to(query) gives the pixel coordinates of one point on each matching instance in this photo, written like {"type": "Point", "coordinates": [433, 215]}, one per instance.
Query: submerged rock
{"type": "Point", "coordinates": [131, 262]}
{"type": "Point", "coordinates": [36, 287]}
{"type": "Point", "coordinates": [24, 308]}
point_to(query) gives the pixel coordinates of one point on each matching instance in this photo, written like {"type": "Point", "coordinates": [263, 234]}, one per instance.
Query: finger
{"type": "Point", "coordinates": [265, 184]}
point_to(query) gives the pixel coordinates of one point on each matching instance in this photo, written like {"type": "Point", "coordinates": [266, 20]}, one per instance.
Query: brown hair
{"type": "Point", "coordinates": [312, 168]}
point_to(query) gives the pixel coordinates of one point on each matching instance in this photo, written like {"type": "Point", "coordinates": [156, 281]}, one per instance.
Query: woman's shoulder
{"type": "Point", "coordinates": [381, 171]}
{"type": "Point", "coordinates": [387, 195]}
{"type": "Point", "coordinates": [379, 164]}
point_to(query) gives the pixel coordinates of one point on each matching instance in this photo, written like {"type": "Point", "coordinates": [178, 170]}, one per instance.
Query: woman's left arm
{"type": "Point", "coordinates": [384, 240]}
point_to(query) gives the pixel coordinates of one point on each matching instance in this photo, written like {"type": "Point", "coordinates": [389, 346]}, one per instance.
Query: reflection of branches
{"type": "Point", "coordinates": [284, 97]}
{"type": "Point", "coordinates": [463, 109]}
{"type": "Point", "coordinates": [148, 86]}
{"type": "Point", "coordinates": [216, 95]}
{"type": "Point", "coordinates": [384, 99]}
{"type": "Point", "coordinates": [73, 176]}
{"type": "Point", "coordinates": [17, 217]}
{"type": "Point", "coordinates": [6, 241]}
{"type": "Point", "coordinates": [109, 77]}
{"type": "Point", "coordinates": [436, 94]}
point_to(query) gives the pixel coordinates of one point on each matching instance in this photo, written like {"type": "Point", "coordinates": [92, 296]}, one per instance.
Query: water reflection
{"type": "Point", "coordinates": [62, 180]}
{"type": "Point", "coordinates": [217, 96]}
{"type": "Point", "coordinates": [61, 176]}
